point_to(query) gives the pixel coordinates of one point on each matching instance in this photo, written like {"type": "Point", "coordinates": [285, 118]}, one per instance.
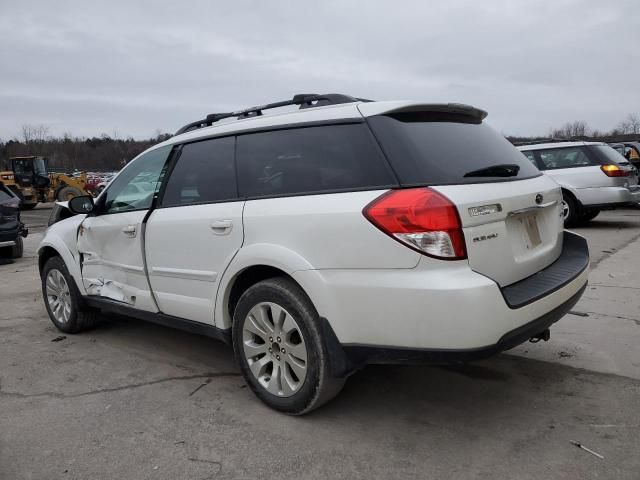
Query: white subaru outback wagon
{"type": "Point", "coordinates": [321, 234]}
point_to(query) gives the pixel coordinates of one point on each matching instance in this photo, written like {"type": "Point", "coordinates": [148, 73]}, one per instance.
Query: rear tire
{"type": "Point", "coordinates": [278, 345]}
{"type": "Point", "coordinates": [18, 249]}
{"type": "Point", "coordinates": [588, 215]}
{"type": "Point", "coordinates": [571, 209]}
{"type": "Point", "coordinates": [63, 300]}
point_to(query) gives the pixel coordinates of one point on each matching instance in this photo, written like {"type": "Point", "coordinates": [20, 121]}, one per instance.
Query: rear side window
{"type": "Point", "coordinates": [428, 149]}
{"type": "Point", "coordinates": [606, 154]}
{"type": "Point", "coordinates": [309, 160]}
{"type": "Point", "coordinates": [204, 173]}
{"type": "Point", "coordinates": [568, 157]}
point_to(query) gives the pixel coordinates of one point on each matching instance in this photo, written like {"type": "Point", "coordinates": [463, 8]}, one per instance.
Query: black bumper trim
{"type": "Point", "coordinates": [573, 260]}
{"type": "Point", "coordinates": [361, 355]}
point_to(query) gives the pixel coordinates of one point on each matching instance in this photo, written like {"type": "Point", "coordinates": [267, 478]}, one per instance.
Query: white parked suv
{"type": "Point", "coordinates": [593, 177]}
{"type": "Point", "coordinates": [333, 233]}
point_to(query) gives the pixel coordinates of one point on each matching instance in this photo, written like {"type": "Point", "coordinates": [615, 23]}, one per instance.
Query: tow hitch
{"type": "Point", "coordinates": [544, 335]}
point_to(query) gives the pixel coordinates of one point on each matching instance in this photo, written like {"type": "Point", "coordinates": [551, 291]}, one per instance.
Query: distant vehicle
{"type": "Point", "coordinates": [593, 177]}
{"type": "Point", "coordinates": [31, 181]}
{"type": "Point", "coordinates": [618, 147]}
{"type": "Point", "coordinates": [630, 151]}
{"type": "Point", "coordinates": [340, 233]}
{"type": "Point", "coordinates": [12, 230]}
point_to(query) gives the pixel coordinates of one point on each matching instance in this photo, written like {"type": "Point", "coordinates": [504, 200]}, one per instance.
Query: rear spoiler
{"type": "Point", "coordinates": [389, 108]}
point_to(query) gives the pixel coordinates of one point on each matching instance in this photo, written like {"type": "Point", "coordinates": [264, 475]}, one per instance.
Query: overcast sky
{"type": "Point", "coordinates": [133, 67]}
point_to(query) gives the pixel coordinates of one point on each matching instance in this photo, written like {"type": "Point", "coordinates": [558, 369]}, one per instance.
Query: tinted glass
{"type": "Point", "coordinates": [205, 172]}
{"type": "Point", "coordinates": [313, 159]}
{"type": "Point", "coordinates": [133, 189]}
{"type": "Point", "coordinates": [429, 149]}
{"type": "Point", "coordinates": [568, 157]}
{"type": "Point", "coordinates": [4, 194]}
{"type": "Point", "coordinates": [531, 157]}
{"type": "Point", "coordinates": [608, 154]}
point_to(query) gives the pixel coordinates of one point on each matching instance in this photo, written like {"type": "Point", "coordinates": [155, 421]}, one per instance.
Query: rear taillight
{"type": "Point", "coordinates": [614, 171]}
{"type": "Point", "coordinates": [422, 219]}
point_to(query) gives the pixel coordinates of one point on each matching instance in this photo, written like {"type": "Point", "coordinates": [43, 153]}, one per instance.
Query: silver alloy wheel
{"type": "Point", "coordinates": [58, 296]}
{"type": "Point", "coordinates": [274, 348]}
{"type": "Point", "coordinates": [565, 209]}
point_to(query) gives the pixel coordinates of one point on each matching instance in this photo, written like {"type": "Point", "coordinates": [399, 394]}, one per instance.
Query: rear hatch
{"type": "Point", "coordinates": [510, 212]}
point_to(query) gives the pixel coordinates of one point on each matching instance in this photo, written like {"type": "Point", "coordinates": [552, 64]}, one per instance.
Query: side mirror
{"type": "Point", "coordinates": [81, 204]}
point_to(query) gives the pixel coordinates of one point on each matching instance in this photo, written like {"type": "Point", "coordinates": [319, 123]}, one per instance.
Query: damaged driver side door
{"type": "Point", "coordinates": [111, 239]}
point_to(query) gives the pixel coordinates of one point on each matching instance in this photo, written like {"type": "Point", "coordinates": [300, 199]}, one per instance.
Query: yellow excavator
{"type": "Point", "coordinates": [31, 181]}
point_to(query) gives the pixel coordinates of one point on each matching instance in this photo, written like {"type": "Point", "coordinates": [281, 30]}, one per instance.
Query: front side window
{"type": "Point", "coordinates": [204, 173]}
{"type": "Point", "coordinates": [310, 160]}
{"type": "Point", "coordinates": [133, 189]}
{"type": "Point", "coordinates": [568, 157]}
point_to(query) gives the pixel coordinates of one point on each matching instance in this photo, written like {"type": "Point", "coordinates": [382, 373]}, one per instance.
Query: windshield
{"type": "Point", "coordinates": [23, 167]}
{"type": "Point", "coordinates": [424, 150]}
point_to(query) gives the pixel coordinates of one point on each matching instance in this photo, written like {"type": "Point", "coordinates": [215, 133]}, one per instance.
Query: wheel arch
{"type": "Point", "coordinates": [251, 265]}
{"type": "Point", "coordinates": [53, 246]}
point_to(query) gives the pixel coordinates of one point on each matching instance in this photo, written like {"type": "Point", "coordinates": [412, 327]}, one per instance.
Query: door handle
{"type": "Point", "coordinates": [221, 227]}
{"type": "Point", "coordinates": [129, 230]}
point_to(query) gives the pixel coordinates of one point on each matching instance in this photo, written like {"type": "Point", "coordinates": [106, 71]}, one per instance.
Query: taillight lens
{"type": "Point", "coordinates": [422, 219]}
{"type": "Point", "coordinates": [614, 171]}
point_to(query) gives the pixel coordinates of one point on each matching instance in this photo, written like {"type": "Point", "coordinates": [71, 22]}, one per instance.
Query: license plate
{"type": "Point", "coordinates": [530, 223]}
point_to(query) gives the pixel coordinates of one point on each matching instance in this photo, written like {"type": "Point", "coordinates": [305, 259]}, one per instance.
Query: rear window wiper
{"type": "Point", "coordinates": [502, 170]}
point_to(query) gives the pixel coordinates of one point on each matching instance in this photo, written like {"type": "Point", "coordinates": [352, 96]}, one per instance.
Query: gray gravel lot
{"type": "Point", "coordinates": [133, 400]}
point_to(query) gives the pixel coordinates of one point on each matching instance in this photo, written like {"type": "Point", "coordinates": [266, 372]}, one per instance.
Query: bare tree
{"type": "Point", "coordinates": [34, 133]}
{"type": "Point", "coordinates": [577, 128]}
{"type": "Point", "coordinates": [631, 124]}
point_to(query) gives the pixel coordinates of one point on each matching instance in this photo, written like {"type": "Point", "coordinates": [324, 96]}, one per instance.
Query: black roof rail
{"type": "Point", "coordinates": [305, 100]}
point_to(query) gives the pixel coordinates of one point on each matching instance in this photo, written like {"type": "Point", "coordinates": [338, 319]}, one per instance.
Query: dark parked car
{"type": "Point", "coordinates": [12, 230]}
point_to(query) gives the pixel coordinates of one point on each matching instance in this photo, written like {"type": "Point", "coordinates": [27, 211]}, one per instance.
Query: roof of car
{"type": "Point", "coordinates": [357, 109]}
{"type": "Point", "coordinates": [544, 146]}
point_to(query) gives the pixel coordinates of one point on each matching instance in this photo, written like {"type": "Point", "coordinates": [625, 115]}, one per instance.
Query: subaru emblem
{"type": "Point", "coordinates": [539, 198]}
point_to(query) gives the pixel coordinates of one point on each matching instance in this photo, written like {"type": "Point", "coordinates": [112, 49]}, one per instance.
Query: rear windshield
{"type": "Point", "coordinates": [431, 150]}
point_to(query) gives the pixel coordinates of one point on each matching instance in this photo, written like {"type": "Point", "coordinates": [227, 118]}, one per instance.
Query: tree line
{"type": "Point", "coordinates": [627, 129]}
{"type": "Point", "coordinates": [69, 153]}
{"type": "Point", "coordinates": [108, 152]}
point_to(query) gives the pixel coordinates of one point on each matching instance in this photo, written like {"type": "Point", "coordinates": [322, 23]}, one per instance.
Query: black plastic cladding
{"type": "Point", "coordinates": [305, 100]}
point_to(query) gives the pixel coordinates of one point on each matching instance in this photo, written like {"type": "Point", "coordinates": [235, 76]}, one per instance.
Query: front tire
{"type": "Point", "coordinates": [62, 299]}
{"type": "Point", "coordinates": [279, 347]}
{"type": "Point", "coordinates": [18, 249]}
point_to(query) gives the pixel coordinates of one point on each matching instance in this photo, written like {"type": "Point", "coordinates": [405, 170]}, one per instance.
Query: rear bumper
{"type": "Point", "coordinates": [443, 312]}
{"type": "Point", "coordinates": [8, 236]}
{"type": "Point", "coordinates": [360, 355]}
{"type": "Point", "coordinates": [573, 260]}
{"type": "Point", "coordinates": [604, 197]}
